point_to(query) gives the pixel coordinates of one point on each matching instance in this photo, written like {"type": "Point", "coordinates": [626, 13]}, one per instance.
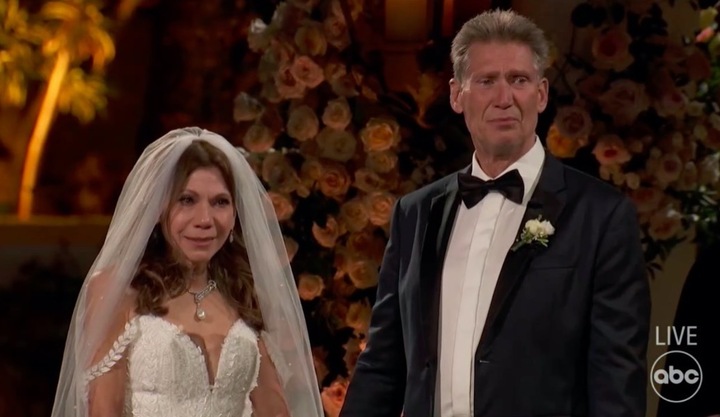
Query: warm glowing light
{"type": "Point", "coordinates": [39, 135]}
{"type": "Point", "coordinates": [406, 20]}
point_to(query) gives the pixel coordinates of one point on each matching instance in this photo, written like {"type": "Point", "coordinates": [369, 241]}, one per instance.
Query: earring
{"type": "Point", "coordinates": [231, 236]}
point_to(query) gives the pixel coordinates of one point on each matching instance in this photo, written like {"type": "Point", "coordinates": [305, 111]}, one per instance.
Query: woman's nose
{"type": "Point", "coordinates": [202, 215]}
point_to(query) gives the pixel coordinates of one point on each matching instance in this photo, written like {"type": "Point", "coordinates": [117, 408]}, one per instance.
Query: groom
{"type": "Point", "coordinates": [475, 316]}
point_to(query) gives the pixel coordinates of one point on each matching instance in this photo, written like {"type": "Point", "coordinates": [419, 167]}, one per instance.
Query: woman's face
{"type": "Point", "coordinates": [201, 218]}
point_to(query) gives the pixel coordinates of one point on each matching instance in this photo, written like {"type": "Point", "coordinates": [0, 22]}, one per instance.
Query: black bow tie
{"type": "Point", "coordinates": [473, 189]}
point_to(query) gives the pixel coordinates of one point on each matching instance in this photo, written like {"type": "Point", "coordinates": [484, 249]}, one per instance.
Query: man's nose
{"type": "Point", "coordinates": [504, 97]}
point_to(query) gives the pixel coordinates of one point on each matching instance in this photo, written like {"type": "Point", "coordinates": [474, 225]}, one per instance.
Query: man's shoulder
{"type": "Point", "coordinates": [429, 191]}
{"type": "Point", "coordinates": [592, 187]}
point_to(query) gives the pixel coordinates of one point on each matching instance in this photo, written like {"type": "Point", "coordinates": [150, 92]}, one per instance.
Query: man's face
{"type": "Point", "coordinates": [500, 96]}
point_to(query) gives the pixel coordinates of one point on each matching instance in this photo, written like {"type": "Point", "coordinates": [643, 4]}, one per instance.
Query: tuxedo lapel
{"type": "Point", "coordinates": [547, 200]}
{"type": "Point", "coordinates": [443, 210]}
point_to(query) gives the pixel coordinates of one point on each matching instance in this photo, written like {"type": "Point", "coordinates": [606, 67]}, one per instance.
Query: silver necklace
{"type": "Point", "coordinates": [198, 296]}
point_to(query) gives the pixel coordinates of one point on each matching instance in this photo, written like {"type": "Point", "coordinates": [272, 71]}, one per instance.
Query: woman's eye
{"type": "Point", "coordinates": [186, 200]}
{"type": "Point", "coordinates": [223, 202]}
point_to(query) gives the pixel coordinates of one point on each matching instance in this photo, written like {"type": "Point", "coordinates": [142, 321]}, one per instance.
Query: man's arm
{"type": "Point", "coordinates": [619, 320]}
{"type": "Point", "coordinates": [378, 385]}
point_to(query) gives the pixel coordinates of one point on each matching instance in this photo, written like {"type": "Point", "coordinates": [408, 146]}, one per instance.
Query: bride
{"type": "Point", "coordinates": [190, 308]}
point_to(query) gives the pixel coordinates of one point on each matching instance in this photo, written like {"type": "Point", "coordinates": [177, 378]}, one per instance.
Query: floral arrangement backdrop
{"type": "Point", "coordinates": [336, 149]}
{"type": "Point", "coordinates": [641, 111]}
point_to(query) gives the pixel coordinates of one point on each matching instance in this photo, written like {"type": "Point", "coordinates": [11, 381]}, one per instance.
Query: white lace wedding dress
{"type": "Point", "coordinates": [168, 375]}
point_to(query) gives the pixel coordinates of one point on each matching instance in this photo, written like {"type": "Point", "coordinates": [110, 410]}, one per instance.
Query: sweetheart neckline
{"type": "Point", "coordinates": [183, 335]}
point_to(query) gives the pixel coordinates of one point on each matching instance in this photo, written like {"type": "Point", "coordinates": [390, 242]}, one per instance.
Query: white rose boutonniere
{"type": "Point", "coordinates": [535, 231]}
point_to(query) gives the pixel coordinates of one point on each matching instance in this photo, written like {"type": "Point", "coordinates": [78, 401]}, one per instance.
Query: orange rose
{"type": "Point", "coordinates": [363, 273]}
{"type": "Point", "coordinates": [354, 215]}
{"type": "Point", "coordinates": [282, 205]}
{"type": "Point", "coordinates": [380, 134]}
{"type": "Point", "coordinates": [381, 162]}
{"type": "Point", "coordinates": [368, 181]}
{"type": "Point", "coordinates": [574, 122]}
{"type": "Point", "coordinates": [310, 286]}
{"type": "Point", "coordinates": [559, 145]}
{"type": "Point", "coordinates": [358, 317]}
{"type": "Point", "coordinates": [380, 206]}
{"type": "Point", "coordinates": [366, 244]}
{"type": "Point", "coordinates": [334, 180]}
{"type": "Point", "coordinates": [327, 236]}
{"type": "Point", "coordinates": [333, 397]}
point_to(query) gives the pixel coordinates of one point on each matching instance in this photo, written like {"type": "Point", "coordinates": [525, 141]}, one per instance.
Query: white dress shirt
{"type": "Point", "coordinates": [480, 240]}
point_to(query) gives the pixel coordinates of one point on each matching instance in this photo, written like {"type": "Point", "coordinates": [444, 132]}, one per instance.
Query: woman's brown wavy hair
{"type": "Point", "coordinates": [161, 275]}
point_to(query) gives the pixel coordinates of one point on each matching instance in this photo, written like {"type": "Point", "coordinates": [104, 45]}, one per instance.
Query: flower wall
{"type": "Point", "coordinates": [336, 149]}
{"type": "Point", "coordinates": [644, 107]}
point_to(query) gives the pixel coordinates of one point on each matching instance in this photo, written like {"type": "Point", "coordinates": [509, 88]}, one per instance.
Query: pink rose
{"type": "Point", "coordinates": [307, 72]}
{"type": "Point", "coordinates": [333, 397]}
{"type": "Point", "coordinates": [610, 150]}
{"type": "Point", "coordinates": [326, 236]}
{"type": "Point", "coordinates": [611, 50]}
{"type": "Point", "coordinates": [624, 101]}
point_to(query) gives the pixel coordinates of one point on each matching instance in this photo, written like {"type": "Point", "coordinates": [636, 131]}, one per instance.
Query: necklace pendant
{"type": "Point", "coordinates": [200, 313]}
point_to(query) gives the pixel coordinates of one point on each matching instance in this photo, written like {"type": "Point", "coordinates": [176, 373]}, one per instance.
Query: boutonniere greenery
{"type": "Point", "coordinates": [536, 231]}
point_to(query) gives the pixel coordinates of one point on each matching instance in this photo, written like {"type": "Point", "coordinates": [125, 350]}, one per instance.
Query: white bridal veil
{"type": "Point", "coordinates": [140, 205]}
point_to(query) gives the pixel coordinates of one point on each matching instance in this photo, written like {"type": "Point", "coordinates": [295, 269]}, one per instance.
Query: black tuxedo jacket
{"type": "Point", "coordinates": [567, 330]}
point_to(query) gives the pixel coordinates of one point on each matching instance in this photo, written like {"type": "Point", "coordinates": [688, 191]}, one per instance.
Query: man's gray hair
{"type": "Point", "coordinates": [498, 26]}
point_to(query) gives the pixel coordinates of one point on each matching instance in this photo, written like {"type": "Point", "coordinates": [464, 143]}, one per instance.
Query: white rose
{"type": "Point", "coordinates": [246, 108]}
{"type": "Point", "coordinates": [539, 227]}
{"type": "Point", "coordinates": [547, 227]}
{"type": "Point", "coordinates": [338, 145]}
{"type": "Point", "coordinates": [337, 114]}
{"type": "Point", "coordinates": [303, 123]}
{"type": "Point", "coordinates": [310, 39]}
{"type": "Point", "coordinates": [258, 138]}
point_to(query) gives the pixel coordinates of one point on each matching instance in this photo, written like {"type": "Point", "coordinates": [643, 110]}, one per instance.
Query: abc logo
{"type": "Point", "coordinates": [678, 382]}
